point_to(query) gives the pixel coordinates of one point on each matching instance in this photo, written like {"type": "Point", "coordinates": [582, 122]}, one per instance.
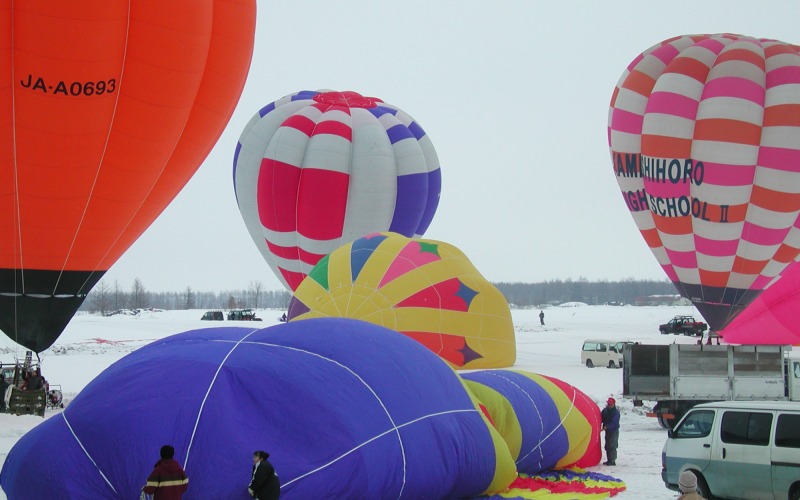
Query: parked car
{"type": "Point", "coordinates": [242, 315]}
{"type": "Point", "coordinates": [213, 316]}
{"type": "Point", "coordinates": [737, 450]}
{"type": "Point", "coordinates": [124, 312]}
{"type": "Point", "coordinates": [685, 325]}
{"type": "Point", "coordinates": [602, 353]}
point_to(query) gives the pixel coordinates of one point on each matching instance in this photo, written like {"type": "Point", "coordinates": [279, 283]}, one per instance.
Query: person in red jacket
{"type": "Point", "coordinates": [168, 481]}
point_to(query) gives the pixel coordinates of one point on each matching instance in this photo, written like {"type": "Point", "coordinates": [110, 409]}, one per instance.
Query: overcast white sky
{"type": "Point", "coordinates": [514, 95]}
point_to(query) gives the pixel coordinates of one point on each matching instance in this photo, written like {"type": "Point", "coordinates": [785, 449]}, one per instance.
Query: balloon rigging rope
{"type": "Point", "coordinates": [388, 431]}
{"type": "Point", "coordinates": [102, 158]}
{"type": "Point", "coordinates": [64, 416]}
{"type": "Point", "coordinates": [208, 391]}
{"type": "Point", "coordinates": [394, 428]}
{"type": "Point", "coordinates": [297, 236]}
{"type": "Point", "coordinates": [340, 241]}
{"type": "Point", "coordinates": [560, 422]}
{"type": "Point", "coordinates": [16, 184]}
{"type": "Point", "coordinates": [533, 402]}
{"type": "Point", "coordinates": [164, 167]}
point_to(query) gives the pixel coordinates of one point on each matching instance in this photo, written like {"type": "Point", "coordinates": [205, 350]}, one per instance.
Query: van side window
{"type": "Point", "coordinates": [741, 427]}
{"type": "Point", "coordinates": [696, 424]}
{"type": "Point", "coordinates": [589, 346]}
{"type": "Point", "coordinates": [601, 347]}
{"type": "Point", "coordinates": [787, 432]}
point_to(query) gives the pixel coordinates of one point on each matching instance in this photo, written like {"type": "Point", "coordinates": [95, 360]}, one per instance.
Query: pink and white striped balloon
{"type": "Point", "coordinates": [704, 132]}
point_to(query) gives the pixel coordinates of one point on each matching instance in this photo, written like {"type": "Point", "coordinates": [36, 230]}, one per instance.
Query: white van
{"type": "Point", "coordinates": [602, 353]}
{"type": "Point", "coordinates": [737, 449]}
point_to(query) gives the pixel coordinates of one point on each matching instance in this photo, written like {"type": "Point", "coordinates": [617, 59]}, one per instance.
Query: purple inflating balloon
{"type": "Point", "coordinates": [345, 408]}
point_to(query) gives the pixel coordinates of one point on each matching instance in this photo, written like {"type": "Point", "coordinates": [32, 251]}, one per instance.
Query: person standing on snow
{"type": "Point", "coordinates": [168, 481]}
{"type": "Point", "coordinates": [541, 317]}
{"type": "Point", "coordinates": [265, 484]}
{"type": "Point", "coordinates": [3, 388]}
{"type": "Point", "coordinates": [610, 419]}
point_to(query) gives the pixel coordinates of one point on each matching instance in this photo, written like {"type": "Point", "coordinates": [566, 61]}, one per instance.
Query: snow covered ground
{"type": "Point", "coordinates": [92, 343]}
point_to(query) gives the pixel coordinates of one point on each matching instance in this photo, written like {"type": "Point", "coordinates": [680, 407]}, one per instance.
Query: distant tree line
{"type": "Point", "coordinates": [106, 297]}
{"type": "Point", "coordinates": [591, 292]}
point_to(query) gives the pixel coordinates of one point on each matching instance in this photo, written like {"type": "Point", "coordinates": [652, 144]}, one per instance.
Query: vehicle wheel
{"type": "Point", "coordinates": [611, 364]}
{"type": "Point", "coordinates": [663, 422]}
{"type": "Point", "coordinates": [795, 495]}
{"type": "Point", "coordinates": [589, 363]}
{"type": "Point", "coordinates": [702, 488]}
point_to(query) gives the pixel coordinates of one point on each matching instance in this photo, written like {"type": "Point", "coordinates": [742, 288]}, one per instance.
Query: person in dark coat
{"type": "Point", "coordinates": [265, 484]}
{"type": "Point", "coordinates": [541, 317]}
{"type": "Point", "coordinates": [168, 481]}
{"type": "Point", "coordinates": [3, 389]}
{"type": "Point", "coordinates": [610, 419]}
{"type": "Point", "coordinates": [34, 382]}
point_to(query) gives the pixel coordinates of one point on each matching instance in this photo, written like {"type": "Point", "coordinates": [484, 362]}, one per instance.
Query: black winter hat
{"type": "Point", "coordinates": [167, 451]}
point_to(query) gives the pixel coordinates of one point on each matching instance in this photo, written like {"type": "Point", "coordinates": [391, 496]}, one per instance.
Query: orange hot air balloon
{"type": "Point", "coordinates": [108, 109]}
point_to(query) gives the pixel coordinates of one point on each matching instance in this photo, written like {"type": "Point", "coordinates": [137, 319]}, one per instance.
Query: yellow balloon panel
{"type": "Point", "coordinates": [425, 289]}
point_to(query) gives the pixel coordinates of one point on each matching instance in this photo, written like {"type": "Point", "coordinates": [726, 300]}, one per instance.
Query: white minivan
{"type": "Point", "coordinates": [602, 353]}
{"type": "Point", "coordinates": [737, 449]}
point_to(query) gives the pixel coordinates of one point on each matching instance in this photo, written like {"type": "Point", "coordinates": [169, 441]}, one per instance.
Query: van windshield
{"type": "Point", "coordinates": [696, 424]}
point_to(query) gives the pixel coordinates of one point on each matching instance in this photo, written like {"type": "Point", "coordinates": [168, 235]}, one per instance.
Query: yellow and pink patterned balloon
{"type": "Point", "coordinates": [425, 289]}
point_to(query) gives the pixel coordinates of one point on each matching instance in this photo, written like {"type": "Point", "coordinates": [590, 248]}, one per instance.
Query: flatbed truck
{"type": "Point", "coordinates": [679, 376]}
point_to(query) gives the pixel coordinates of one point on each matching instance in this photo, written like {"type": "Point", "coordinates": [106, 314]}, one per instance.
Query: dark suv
{"type": "Point", "coordinates": [242, 315]}
{"type": "Point", "coordinates": [213, 316]}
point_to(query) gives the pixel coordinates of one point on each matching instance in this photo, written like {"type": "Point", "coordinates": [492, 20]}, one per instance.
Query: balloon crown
{"type": "Point", "coordinates": [348, 99]}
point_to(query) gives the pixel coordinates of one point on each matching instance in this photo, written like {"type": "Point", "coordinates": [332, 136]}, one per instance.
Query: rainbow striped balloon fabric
{"type": "Point", "coordinates": [425, 289]}
{"type": "Point", "coordinates": [545, 422]}
{"type": "Point", "coordinates": [704, 132]}
{"type": "Point", "coordinates": [318, 169]}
